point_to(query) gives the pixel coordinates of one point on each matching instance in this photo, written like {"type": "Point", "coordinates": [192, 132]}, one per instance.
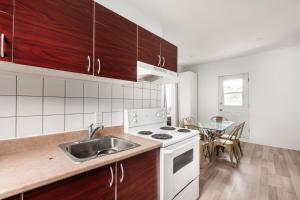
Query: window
{"type": "Point", "coordinates": [233, 92]}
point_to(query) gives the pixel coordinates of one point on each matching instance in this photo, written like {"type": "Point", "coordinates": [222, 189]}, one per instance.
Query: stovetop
{"type": "Point", "coordinates": [168, 137]}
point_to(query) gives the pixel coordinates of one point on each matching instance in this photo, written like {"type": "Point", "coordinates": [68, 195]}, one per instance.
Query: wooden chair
{"type": "Point", "coordinates": [228, 145]}
{"type": "Point", "coordinates": [236, 138]}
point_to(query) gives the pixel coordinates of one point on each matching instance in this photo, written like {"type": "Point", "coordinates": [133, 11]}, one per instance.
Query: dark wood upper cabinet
{"type": "Point", "coordinates": [115, 45]}
{"type": "Point", "coordinates": [55, 34]}
{"type": "Point", "coordinates": [169, 55]}
{"type": "Point", "coordinates": [139, 178]}
{"type": "Point", "coordinates": [148, 47]}
{"type": "Point", "coordinates": [88, 186]}
{"type": "Point", "coordinates": [6, 29]}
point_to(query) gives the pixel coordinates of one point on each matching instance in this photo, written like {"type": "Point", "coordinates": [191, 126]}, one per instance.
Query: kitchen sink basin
{"type": "Point", "coordinates": [84, 150]}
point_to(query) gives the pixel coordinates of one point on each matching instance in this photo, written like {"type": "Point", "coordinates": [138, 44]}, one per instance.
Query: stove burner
{"type": "Point", "coordinates": [162, 136]}
{"type": "Point", "coordinates": [145, 132]}
{"type": "Point", "coordinates": [168, 128]}
{"type": "Point", "coordinates": [183, 130]}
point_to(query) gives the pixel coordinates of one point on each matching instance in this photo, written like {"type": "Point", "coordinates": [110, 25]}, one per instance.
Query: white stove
{"type": "Point", "coordinates": [179, 154]}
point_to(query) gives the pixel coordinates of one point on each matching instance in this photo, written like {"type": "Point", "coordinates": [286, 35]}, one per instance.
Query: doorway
{"type": "Point", "coordinates": [234, 99]}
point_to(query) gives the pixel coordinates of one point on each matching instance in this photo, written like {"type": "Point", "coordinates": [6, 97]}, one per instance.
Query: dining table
{"type": "Point", "coordinates": [216, 126]}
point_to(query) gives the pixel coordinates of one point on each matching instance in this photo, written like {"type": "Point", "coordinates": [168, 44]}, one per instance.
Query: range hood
{"type": "Point", "coordinates": [150, 73]}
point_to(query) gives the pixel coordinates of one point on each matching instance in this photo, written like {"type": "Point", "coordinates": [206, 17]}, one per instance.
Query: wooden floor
{"type": "Point", "coordinates": [263, 173]}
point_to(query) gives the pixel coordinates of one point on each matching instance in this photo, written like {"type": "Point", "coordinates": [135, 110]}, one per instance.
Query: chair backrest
{"type": "Point", "coordinates": [218, 118]}
{"type": "Point", "coordinates": [187, 121]}
{"type": "Point", "coordinates": [240, 131]}
{"type": "Point", "coordinates": [237, 131]}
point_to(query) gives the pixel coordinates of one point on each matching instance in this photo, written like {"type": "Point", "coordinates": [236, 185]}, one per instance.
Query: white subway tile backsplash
{"type": "Point", "coordinates": [138, 85]}
{"type": "Point", "coordinates": [7, 106]}
{"type": "Point", "coordinates": [146, 85]}
{"type": "Point", "coordinates": [7, 128]}
{"type": "Point", "coordinates": [88, 120]}
{"type": "Point", "coordinates": [146, 103]}
{"type": "Point", "coordinates": [74, 105]}
{"type": "Point", "coordinates": [29, 126]}
{"type": "Point", "coordinates": [117, 105]}
{"type": "Point", "coordinates": [74, 88]}
{"type": "Point", "coordinates": [53, 124]}
{"type": "Point", "coordinates": [105, 105]}
{"type": "Point", "coordinates": [153, 104]}
{"type": "Point", "coordinates": [117, 91]}
{"type": "Point", "coordinates": [74, 122]}
{"type": "Point", "coordinates": [90, 105]}
{"type": "Point", "coordinates": [138, 93]}
{"type": "Point", "coordinates": [146, 94]}
{"type": "Point", "coordinates": [91, 89]}
{"type": "Point", "coordinates": [54, 87]}
{"type": "Point", "coordinates": [117, 119]}
{"type": "Point", "coordinates": [153, 94]}
{"type": "Point", "coordinates": [34, 105]}
{"type": "Point", "coordinates": [106, 119]}
{"type": "Point", "coordinates": [128, 104]}
{"type": "Point", "coordinates": [138, 104]}
{"type": "Point", "coordinates": [8, 84]}
{"type": "Point", "coordinates": [104, 90]}
{"type": "Point", "coordinates": [29, 85]}
{"type": "Point", "coordinates": [128, 92]}
{"type": "Point", "coordinates": [29, 106]}
{"type": "Point", "coordinates": [54, 106]}
{"type": "Point", "coordinates": [154, 87]}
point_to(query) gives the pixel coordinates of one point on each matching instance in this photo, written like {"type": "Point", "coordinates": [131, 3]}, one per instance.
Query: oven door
{"type": "Point", "coordinates": [181, 166]}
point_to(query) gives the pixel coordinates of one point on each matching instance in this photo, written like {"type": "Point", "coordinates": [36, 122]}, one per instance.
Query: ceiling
{"type": "Point", "coordinates": [209, 30]}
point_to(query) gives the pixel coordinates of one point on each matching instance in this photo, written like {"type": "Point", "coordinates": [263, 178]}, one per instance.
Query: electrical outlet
{"type": "Point", "coordinates": [98, 118]}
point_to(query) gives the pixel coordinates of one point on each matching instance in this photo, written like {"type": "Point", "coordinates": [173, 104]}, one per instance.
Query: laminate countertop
{"type": "Point", "coordinates": [30, 163]}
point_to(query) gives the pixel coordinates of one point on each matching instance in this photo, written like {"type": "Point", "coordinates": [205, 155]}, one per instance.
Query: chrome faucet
{"type": "Point", "coordinates": [92, 130]}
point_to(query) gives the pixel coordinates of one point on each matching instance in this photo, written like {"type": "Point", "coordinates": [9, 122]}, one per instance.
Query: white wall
{"type": "Point", "coordinates": [126, 10]}
{"type": "Point", "coordinates": [274, 94]}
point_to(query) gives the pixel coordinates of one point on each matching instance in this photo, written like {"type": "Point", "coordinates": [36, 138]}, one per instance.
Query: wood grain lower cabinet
{"type": "Point", "coordinates": [92, 185]}
{"type": "Point", "coordinates": [55, 34]}
{"type": "Point", "coordinates": [6, 29]}
{"type": "Point", "coordinates": [135, 178]}
{"type": "Point", "coordinates": [16, 197]}
{"type": "Point", "coordinates": [115, 45]}
{"type": "Point", "coordinates": [138, 177]}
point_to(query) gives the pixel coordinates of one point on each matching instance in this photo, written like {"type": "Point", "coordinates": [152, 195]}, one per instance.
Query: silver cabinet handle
{"type": "Point", "coordinates": [112, 177]}
{"type": "Point", "coordinates": [89, 65]}
{"type": "Point", "coordinates": [2, 45]}
{"type": "Point", "coordinates": [122, 173]}
{"type": "Point", "coordinates": [159, 60]}
{"type": "Point", "coordinates": [164, 61]}
{"type": "Point", "coordinates": [99, 66]}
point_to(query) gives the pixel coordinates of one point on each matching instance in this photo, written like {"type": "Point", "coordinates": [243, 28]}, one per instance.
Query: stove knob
{"type": "Point", "coordinates": [134, 119]}
{"type": "Point", "coordinates": [134, 114]}
{"type": "Point", "coordinates": [158, 114]}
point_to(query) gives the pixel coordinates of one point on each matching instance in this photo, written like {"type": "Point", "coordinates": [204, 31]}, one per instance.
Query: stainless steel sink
{"type": "Point", "coordinates": [84, 150]}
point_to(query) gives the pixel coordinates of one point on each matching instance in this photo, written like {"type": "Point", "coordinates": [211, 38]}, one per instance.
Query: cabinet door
{"type": "Point", "coordinates": [6, 28]}
{"type": "Point", "coordinates": [115, 45]}
{"type": "Point", "coordinates": [169, 55]}
{"type": "Point", "coordinates": [139, 178]}
{"type": "Point", "coordinates": [148, 47]}
{"type": "Point", "coordinates": [56, 34]}
{"type": "Point", "coordinates": [88, 186]}
{"type": "Point", "coordinates": [16, 197]}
